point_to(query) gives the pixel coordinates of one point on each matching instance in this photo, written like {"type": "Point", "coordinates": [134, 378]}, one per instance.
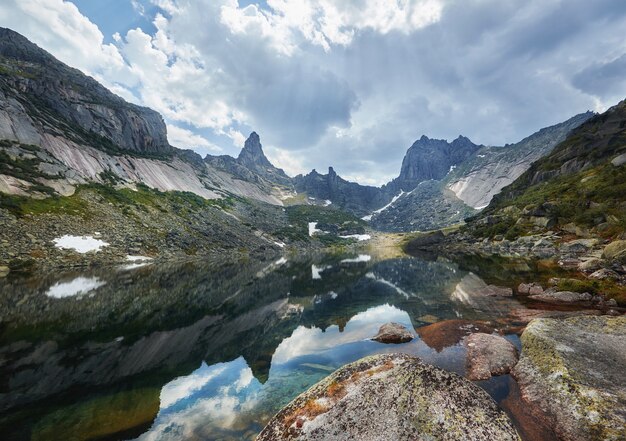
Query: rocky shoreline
{"type": "Point", "coordinates": [568, 373]}
{"type": "Point", "coordinates": [592, 262]}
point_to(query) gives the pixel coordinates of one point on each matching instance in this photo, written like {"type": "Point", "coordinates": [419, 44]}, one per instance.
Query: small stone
{"type": "Point", "coordinates": [4, 271]}
{"type": "Point", "coordinates": [569, 263]}
{"type": "Point", "coordinates": [529, 289]}
{"type": "Point", "coordinates": [393, 333]}
{"type": "Point", "coordinates": [604, 273]}
{"type": "Point", "coordinates": [592, 264]}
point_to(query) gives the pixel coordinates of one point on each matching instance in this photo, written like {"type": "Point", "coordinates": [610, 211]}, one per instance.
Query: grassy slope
{"type": "Point", "coordinates": [576, 183]}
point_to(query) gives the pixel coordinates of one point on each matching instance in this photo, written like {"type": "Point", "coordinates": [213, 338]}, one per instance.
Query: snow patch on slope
{"type": "Point", "coordinates": [81, 244]}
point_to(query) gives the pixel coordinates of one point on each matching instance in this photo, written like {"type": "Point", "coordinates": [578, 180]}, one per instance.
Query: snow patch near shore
{"type": "Point", "coordinates": [359, 237]}
{"type": "Point", "coordinates": [359, 258]}
{"type": "Point", "coordinates": [81, 244]}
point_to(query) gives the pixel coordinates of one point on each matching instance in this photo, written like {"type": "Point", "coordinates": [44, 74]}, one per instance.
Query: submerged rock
{"type": "Point", "coordinates": [391, 397]}
{"type": "Point", "coordinates": [446, 333]}
{"type": "Point", "coordinates": [572, 372]}
{"type": "Point", "coordinates": [393, 333]}
{"type": "Point", "coordinates": [489, 355]}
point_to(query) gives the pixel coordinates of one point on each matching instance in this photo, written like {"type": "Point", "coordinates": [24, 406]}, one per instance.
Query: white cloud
{"type": "Point", "coordinates": [325, 22]}
{"type": "Point", "coordinates": [238, 138]}
{"type": "Point", "coordinates": [186, 139]}
{"type": "Point", "coordinates": [353, 83]}
{"type": "Point", "coordinates": [290, 162]}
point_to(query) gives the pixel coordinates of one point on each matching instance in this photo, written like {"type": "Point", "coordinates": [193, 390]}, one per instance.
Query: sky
{"type": "Point", "coordinates": [345, 83]}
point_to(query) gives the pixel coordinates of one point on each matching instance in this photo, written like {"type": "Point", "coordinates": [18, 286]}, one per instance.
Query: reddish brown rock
{"type": "Point", "coordinates": [448, 333]}
{"type": "Point", "coordinates": [489, 355]}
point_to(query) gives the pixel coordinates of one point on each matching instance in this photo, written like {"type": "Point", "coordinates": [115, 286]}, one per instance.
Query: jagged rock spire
{"type": "Point", "coordinates": [252, 153]}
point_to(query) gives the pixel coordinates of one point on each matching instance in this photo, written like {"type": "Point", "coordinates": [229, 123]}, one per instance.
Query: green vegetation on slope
{"type": "Point", "coordinates": [575, 184]}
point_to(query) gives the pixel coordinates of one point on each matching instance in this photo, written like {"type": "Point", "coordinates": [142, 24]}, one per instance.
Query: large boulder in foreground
{"type": "Point", "coordinates": [489, 355]}
{"type": "Point", "coordinates": [572, 372]}
{"type": "Point", "coordinates": [391, 397]}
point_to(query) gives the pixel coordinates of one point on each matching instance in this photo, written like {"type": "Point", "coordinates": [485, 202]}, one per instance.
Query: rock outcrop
{"type": "Point", "coordinates": [391, 396]}
{"type": "Point", "coordinates": [552, 296]}
{"type": "Point", "coordinates": [572, 372]}
{"type": "Point", "coordinates": [350, 196]}
{"type": "Point", "coordinates": [39, 91]}
{"type": "Point", "coordinates": [430, 159]}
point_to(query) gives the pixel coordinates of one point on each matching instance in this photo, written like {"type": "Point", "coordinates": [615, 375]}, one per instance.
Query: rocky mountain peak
{"type": "Point", "coordinates": [430, 159]}
{"type": "Point", "coordinates": [251, 154]}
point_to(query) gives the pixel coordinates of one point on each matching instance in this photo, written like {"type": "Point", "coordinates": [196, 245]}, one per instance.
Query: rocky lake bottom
{"type": "Point", "coordinates": [191, 350]}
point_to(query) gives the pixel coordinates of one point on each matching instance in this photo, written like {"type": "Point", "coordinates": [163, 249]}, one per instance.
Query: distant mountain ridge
{"type": "Point", "coordinates": [89, 134]}
{"type": "Point", "coordinates": [440, 183]}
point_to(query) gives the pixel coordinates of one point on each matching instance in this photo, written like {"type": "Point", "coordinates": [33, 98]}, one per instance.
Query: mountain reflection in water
{"type": "Point", "coordinates": [205, 351]}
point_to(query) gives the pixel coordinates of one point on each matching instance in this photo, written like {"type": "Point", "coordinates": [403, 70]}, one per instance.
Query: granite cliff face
{"type": "Point", "coordinates": [43, 99]}
{"type": "Point", "coordinates": [489, 169]}
{"type": "Point", "coordinates": [430, 159]}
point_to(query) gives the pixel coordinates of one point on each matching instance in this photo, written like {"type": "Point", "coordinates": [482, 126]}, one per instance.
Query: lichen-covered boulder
{"type": "Point", "coordinates": [489, 355]}
{"type": "Point", "coordinates": [571, 372]}
{"type": "Point", "coordinates": [614, 250]}
{"type": "Point", "coordinates": [393, 333]}
{"type": "Point", "coordinates": [391, 397]}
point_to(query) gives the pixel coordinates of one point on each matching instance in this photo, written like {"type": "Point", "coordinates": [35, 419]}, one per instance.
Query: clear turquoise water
{"type": "Point", "coordinates": [204, 351]}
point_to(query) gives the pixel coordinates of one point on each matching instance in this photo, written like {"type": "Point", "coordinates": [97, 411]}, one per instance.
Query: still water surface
{"type": "Point", "coordinates": [206, 352]}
